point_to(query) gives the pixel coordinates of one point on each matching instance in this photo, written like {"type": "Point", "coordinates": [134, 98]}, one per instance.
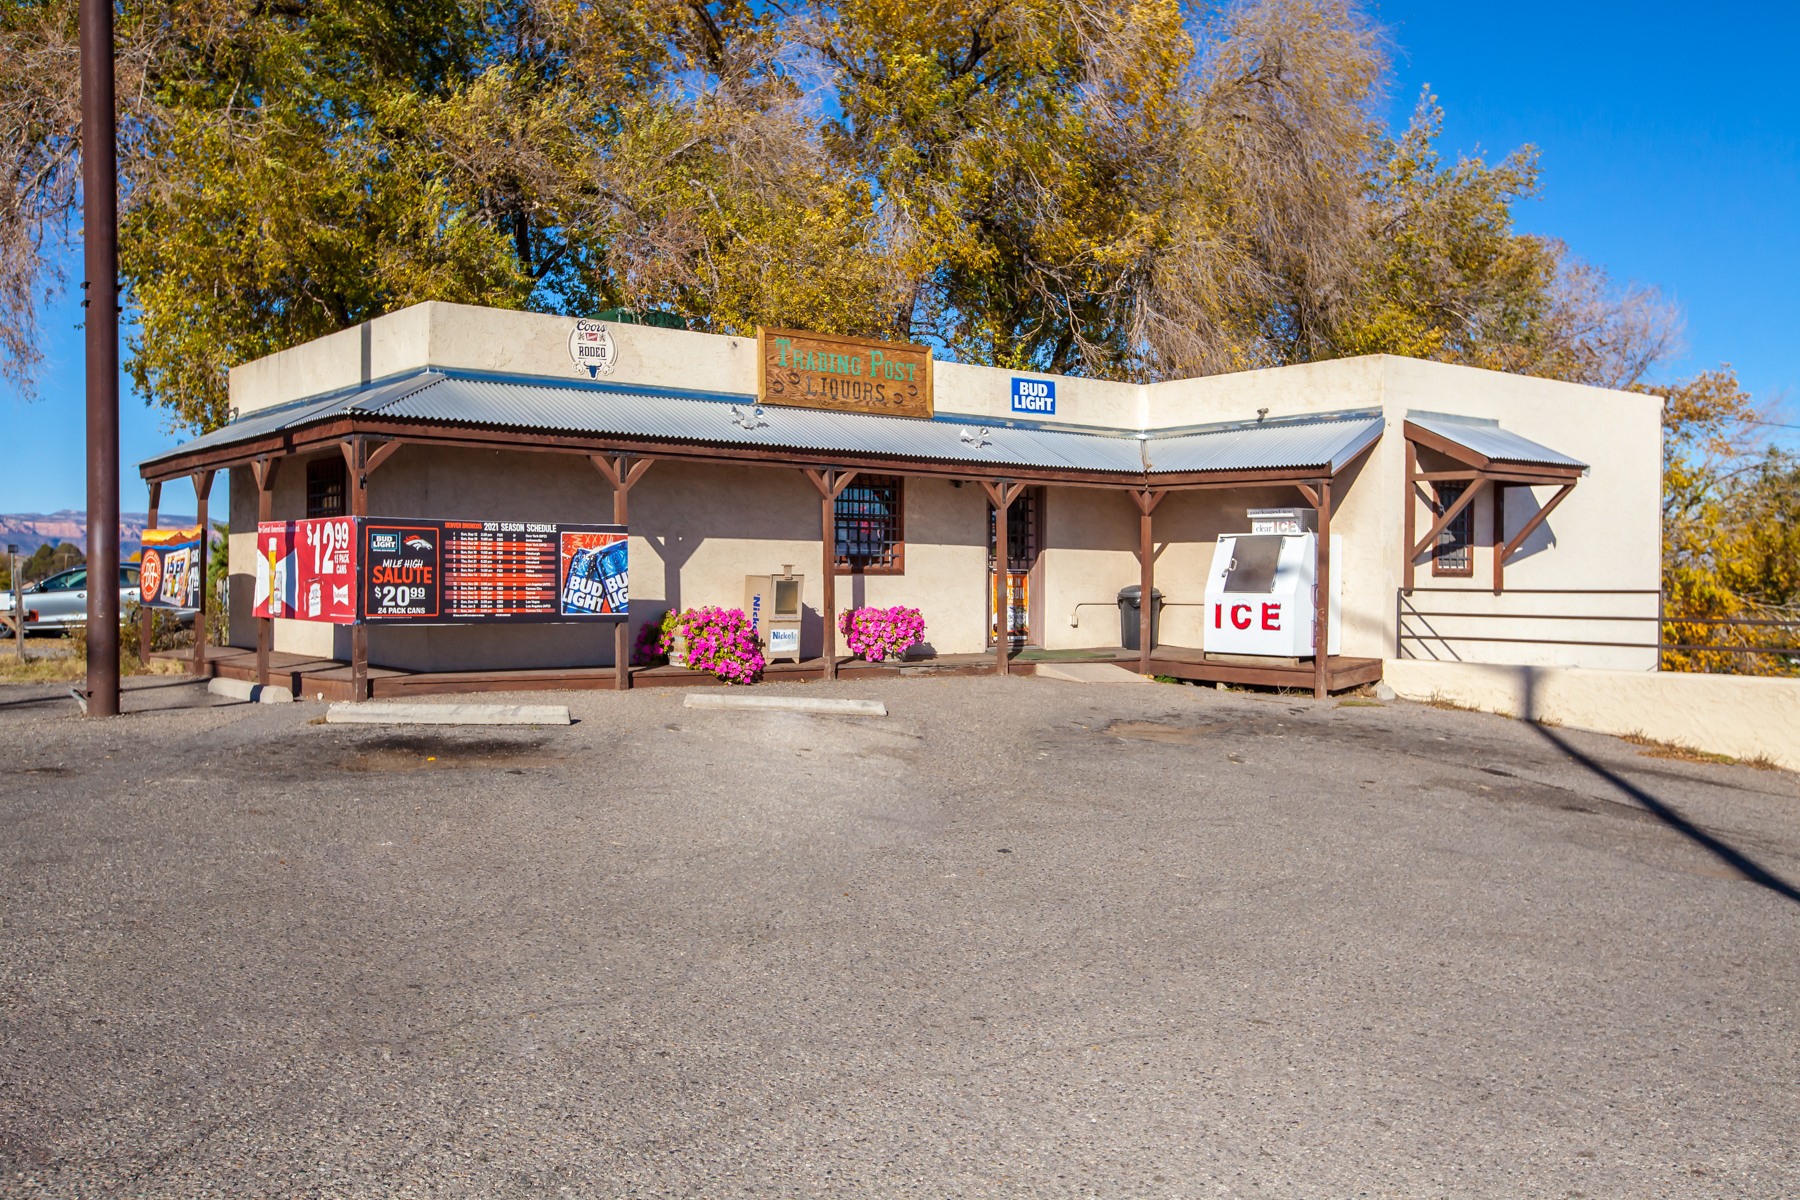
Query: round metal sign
{"type": "Point", "coordinates": [592, 349]}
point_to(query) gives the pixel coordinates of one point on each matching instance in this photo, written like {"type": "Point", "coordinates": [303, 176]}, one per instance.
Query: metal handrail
{"type": "Point", "coordinates": [1402, 611]}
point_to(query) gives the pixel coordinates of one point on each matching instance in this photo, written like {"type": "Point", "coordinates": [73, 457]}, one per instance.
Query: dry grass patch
{"type": "Point", "coordinates": [67, 668]}
{"type": "Point", "coordinates": [1680, 751]}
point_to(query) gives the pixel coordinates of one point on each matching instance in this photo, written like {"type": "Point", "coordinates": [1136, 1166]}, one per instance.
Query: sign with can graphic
{"type": "Point", "coordinates": [596, 572]}
{"type": "Point", "coordinates": [169, 575]}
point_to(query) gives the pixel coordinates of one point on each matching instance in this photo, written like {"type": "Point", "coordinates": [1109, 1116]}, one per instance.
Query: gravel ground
{"type": "Point", "coordinates": [1019, 938]}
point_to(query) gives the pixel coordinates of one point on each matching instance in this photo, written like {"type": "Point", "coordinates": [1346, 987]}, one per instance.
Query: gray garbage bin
{"type": "Point", "coordinates": [1129, 618]}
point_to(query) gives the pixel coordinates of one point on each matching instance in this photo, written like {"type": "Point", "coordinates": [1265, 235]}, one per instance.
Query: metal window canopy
{"type": "Point", "coordinates": [1484, 455]}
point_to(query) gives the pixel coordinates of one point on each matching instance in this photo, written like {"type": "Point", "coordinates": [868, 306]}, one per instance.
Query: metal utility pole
{"type": "Point", "coordinates": [100, 227]}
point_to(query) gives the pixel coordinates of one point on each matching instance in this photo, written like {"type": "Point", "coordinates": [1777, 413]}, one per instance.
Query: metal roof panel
{"type": "Point", "coordinates": [1491, 441]}
{"type": "Point", "coordinates": [1325, 444]}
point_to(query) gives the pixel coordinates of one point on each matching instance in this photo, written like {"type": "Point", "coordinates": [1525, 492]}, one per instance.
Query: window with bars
{"type": "Point", "coordinates": [325, 487]}
{"type": "Point", "coordinates": [871, 532]}
{"type": "Point", "coordinates": [1455, 552]}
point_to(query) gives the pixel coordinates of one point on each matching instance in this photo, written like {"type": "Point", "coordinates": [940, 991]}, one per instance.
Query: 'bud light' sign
{"type": "Point", "coordinates": [596, 574]}
{"type": "Point", "coordinates": [1034, 396]}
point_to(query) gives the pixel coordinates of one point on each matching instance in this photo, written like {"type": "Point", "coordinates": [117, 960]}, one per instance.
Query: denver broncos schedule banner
{"type": "Point", "coordinates": [428, 572]}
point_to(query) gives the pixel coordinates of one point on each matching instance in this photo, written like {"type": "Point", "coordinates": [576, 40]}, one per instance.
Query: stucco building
{"type": "Point", "coordinates": [459, 412]}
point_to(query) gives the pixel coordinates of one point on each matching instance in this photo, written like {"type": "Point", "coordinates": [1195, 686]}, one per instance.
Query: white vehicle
{"type": "Point", "coordinates": [62, 600]}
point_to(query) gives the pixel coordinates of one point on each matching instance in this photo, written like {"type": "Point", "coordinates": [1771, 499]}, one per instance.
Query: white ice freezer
{"type": "Point", "coordinates": [1260, 597]}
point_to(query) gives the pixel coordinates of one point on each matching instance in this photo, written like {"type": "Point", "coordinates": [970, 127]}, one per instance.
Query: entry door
{"type": "Point", "coordinates": [1023, 542]}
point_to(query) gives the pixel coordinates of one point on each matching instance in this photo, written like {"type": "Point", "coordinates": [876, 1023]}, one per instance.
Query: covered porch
{"type": "Point", "coordinates": [624, 432]}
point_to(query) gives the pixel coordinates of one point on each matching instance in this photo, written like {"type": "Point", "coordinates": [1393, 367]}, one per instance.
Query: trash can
{"type": "Point", "coordinates": [1128, 616]}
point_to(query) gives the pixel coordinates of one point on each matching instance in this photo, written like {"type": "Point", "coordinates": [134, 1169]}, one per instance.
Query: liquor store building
{"type": "Point", "coordinates": [1459, 513]}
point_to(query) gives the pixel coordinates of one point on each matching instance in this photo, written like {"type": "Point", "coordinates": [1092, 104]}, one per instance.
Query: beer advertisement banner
{"type": "Point", "coordinates": [306, 570]}
{"type": "Point", "coordinates": [169, 576]}
{"type": "Point", "coordinates": [457, 572]}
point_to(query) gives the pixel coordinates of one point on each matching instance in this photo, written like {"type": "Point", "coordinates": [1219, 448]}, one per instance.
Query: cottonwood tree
{"type": "Point", "coordinates": [1136, 189]}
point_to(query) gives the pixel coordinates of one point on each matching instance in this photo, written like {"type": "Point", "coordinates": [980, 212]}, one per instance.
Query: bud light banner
{"type": "Point", "coordinates": [427, 572]}
{"type": "Point", "coordinates": [596, 573]}
{"type": "Point", "coordinates": [306, 570]}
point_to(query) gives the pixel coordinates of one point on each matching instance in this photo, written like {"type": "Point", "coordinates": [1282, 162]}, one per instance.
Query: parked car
{"type": "Point", "coordinates": [61, 600]}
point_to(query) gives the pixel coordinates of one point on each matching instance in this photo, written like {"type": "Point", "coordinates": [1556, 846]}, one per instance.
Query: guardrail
{"type": "Point", "coordinates": [1418, 626]}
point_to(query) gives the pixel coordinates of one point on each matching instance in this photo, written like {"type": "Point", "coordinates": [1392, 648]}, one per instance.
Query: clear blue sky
{"type": "Point", "coordinates": [1671, 155]}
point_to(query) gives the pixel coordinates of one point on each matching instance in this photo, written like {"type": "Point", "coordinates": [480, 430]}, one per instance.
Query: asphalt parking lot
{"type": "Point", "coordinates": [1018, 938]}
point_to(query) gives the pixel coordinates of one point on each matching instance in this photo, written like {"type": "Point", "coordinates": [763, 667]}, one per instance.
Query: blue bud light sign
{"type": "Point", "coordinates": [596, 573]}
{"type": "Point", "coordinates": [1034, 396]}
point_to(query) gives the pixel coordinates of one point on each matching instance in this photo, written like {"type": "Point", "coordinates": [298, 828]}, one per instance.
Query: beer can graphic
{"type": "Point", "coordinates": [596, 574]}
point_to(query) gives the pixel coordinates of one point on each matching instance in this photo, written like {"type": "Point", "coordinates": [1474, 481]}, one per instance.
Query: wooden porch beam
{"type": "Point", "coordinates": [1322, 596]}
{"type": "Point", "coordinates": [622, 473]}
{"type": "Point", "coordinates": [203, 481]}
{"type": "Point", "coordinates": [264, 470]}
{"type": "Point", "coordinates": [1450, 514]}
{"type": "Point", "coordinates": [831, 484]}
{"type": "Point", "coordinates": [1537, 519]}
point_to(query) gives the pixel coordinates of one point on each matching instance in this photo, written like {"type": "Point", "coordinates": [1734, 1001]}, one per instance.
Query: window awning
{"type": "Point", "coordinates": [1483, 444]}
{"type": "Point", "coordinates": [433, 406]}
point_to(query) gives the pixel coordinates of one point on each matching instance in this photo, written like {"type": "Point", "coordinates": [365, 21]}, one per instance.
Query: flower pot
{"type": "Point", "coordinates": [678, 650]}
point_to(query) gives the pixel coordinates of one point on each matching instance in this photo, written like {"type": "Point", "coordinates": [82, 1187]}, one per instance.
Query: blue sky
{"type": "Point", "coordinates": [1671, 155]}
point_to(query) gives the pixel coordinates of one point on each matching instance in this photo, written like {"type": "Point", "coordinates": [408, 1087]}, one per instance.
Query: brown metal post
{"type": "Point", "coordinates": [1322, 597]}
{"type": "Point", "coordinates": [264, 470]}
{"type": "Point", "coordinates": [1411, 512]}
{"type": "Point", "coordinates": [202, 489]}
{"type": "Point", "coordinates": [146, 626]}
{"type": "Point", "coordinates": [100, 267]}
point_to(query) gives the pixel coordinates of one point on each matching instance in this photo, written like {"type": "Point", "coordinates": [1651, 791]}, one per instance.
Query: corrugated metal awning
{"type": "Point", "coordinates": [1323, 443]}
{"type": "Point", "coordinates": [1488, 440]}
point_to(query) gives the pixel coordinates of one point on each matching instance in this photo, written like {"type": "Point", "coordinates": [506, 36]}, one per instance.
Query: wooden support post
{"type": "Point", "coordinates": [1499, 538]}
{"type": "Point", "coordinates": [1537, 519]}
{"type": "Point", "coordinates": [622, 474]}
{"type": "Point", "coordinates": [264, 469]}
{"type": "Point", "coordinates": [1002, 492]}
{"type": "Point", "coordinates": [145, 625]}
{"type": "Point", "coordinates": [1146, 502]}
{"type": "Point", "coordinates": [831, 484]}
{"type": "Point", "coordinates": [356, 454]}
{"type": "Point", "coordinates": [1322, 596]}
{"type": "Point", "coordinates": [203, 481]}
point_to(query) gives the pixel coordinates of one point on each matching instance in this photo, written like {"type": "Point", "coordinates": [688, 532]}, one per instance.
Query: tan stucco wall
{"type": "Point", "coordinates": [1743, 716]}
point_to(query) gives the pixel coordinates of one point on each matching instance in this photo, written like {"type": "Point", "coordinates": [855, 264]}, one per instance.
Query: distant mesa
{"type": "Point", "coordinates": [28, 531]}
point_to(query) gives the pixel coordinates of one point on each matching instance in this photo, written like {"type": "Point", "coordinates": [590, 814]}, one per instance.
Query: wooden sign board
{"type": "Point", "coordinates": [845, 374]}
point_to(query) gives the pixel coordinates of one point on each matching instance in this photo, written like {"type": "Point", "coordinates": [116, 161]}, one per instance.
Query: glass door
{"type": "Point", "coordinates": [1023, 538]}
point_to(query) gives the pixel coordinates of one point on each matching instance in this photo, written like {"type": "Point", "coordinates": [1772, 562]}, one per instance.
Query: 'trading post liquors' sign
{"type": "Point", "coordinates": [819, 370]}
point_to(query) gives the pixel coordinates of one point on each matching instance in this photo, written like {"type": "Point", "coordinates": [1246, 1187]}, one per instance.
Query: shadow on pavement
{"type": "Point", "coordinates": [1726, 853]}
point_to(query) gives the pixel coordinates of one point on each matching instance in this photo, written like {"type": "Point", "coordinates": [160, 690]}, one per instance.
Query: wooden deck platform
{"type": "Point", "coordinates": [329, 679]}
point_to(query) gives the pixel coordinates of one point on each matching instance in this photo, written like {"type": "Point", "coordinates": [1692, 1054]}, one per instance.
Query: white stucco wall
{"type": "Point", "coordinates": [697, 530]}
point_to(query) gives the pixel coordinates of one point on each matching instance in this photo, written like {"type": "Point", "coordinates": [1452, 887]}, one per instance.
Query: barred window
{"type": "Point", "coordinates": [325, 487]}
{"type": "Point", "coordinates": [871, 535]}
{"type": "Point", "coordinates": [1454, 554]}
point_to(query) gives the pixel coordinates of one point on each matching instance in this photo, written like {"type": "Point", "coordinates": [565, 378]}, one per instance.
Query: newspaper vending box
{"type": "Point", "coordinates": [1260, 596]}
{"type": "Point", "coordinates": [772, 602]}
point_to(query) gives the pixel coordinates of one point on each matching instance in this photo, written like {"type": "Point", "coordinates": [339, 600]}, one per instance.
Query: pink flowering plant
{"type": "Point", "coordinates": [722, 641]}
{"type": "Point", "coordinates": [878, 634]}
{"type": "Point", "coordinates": [655, 639]}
